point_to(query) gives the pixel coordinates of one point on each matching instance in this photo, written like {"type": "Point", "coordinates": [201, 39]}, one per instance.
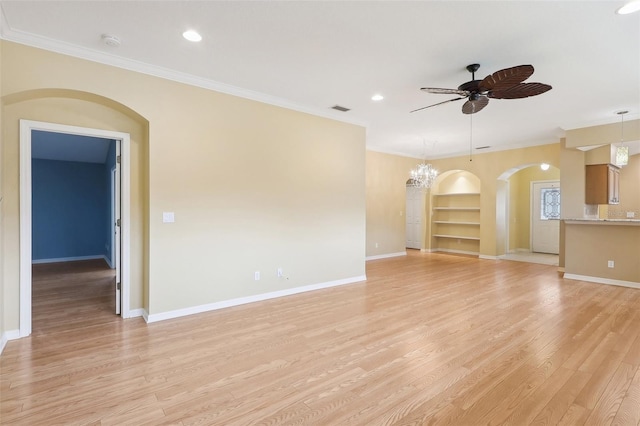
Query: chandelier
{"type": "Point", "coordinates": [622, 151]}
{"type": "Point", "coordinates": [423, 175]}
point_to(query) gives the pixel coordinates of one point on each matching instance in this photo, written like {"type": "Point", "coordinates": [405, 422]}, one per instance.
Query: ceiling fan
{"type": "Point", "coordinates": [503, 84]}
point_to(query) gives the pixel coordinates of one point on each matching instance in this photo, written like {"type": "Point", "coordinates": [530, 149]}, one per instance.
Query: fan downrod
{"type": "Point", "coordinates": [471, 86]}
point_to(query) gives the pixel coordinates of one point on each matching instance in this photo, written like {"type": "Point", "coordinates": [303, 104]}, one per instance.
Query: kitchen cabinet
{"type": "Point", "coordinates": [602, 184]}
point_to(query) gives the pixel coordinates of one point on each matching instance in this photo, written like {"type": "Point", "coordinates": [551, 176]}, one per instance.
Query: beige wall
{"type": "Point", "coordinates": [386, 178]}
{"type": "Point", "coordinates": [588, 247]}
{"type": "Point", "coordinates": [603, 134]}
{"type": "Point", "coordinates": [387, 174]}
{"type": "Point", "coordinates": [488, 167]}
{"type": "Point", "coordinates": [253, 186]}
{"type": "Point", "coordinates": [629, 190]}
{"type": "Point", "coordinates": [3, 299]}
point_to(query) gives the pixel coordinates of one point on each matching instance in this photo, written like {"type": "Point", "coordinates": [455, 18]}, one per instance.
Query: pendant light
{"type": "Point", "coordinates": [622, 151]}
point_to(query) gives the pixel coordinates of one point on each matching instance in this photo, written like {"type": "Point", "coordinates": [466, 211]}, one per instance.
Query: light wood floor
{"type": "Point", "coordinates": [428, 339]}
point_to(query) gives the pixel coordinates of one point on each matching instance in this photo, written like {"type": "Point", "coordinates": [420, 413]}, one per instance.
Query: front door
{"type": "Point", "coordinates": [545, 217]}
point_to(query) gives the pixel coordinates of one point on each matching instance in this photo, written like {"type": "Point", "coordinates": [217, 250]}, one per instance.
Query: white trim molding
{"type": "Point", "coordinates": [133, 313]}
{"type": "Point", "coordinates": [26, 128]}
{"type": "Point", "coordinates": [488, 257]}
{"type": "Point", "coordinates": [470, 253]}
{"type": "Point", "coordinates": [6, 336]}
{"type": "Point", "coordinates": [149, 318]}
{"type": "Point", "coordinates": [386, 256]}
{"type": "Point", "coordinates": [71, 259]}
{"type": "Point", "coordinates": [38, 41]}
{"type": "Point", "coordinates": [600, 280]}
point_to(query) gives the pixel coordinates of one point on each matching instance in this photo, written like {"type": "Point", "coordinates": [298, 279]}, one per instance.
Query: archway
{"type": "Point", "coordinates": [82, 113]}
{"type": "Point", "coordinates": [514, 206]}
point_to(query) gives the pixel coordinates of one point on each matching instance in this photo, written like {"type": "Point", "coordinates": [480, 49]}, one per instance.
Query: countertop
{"type": "Point", "coordinates": [596, 221]}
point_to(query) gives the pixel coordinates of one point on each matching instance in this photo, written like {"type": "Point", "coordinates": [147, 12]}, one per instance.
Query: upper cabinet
{"type": "Point", "coordinates": [602, 184]}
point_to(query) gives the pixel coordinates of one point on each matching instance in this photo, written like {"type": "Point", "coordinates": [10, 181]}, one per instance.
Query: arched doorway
{"type": "Point", "coordinates": [526, 230]}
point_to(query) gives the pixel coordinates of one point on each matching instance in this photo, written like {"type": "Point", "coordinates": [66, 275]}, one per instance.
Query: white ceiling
{"type": "Point", "coordinates": [311, 55]}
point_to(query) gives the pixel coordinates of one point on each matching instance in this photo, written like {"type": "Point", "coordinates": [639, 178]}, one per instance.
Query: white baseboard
{"type": "Point", "coordinates": [486, 256]}
{"type": "Point", "coordinates": [471, 253]}
{"type": "Point", "coordinates": [601, 280]}
{"type": "Point", "coordinates": [249, 299]}
{"type": "Point", "coordinates": [106, 259]}
{"type": "Point", "coordinates": [385, 256]}
{"type": "Point", "coordinates": [6, 336]}
{"type": "Point", "coordinates": [70, 259]}
{"type": "Point", "coordinates": [133, 313]}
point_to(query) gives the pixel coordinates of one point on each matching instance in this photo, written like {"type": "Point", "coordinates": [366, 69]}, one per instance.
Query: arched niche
{"type": "Point", "coordinates": [455, 213]}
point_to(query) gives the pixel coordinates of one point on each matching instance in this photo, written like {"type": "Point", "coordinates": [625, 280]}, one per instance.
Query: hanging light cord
{"type": "Point", "coordinates": [470, 137]}
{"type": "Point", "coordinates": [622, 113]}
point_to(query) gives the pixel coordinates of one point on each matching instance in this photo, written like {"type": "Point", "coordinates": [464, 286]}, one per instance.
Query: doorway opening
{"type": "Point", "coordinates": [518, 214]}
{"type": "Point", "coordinates": [74, 211]}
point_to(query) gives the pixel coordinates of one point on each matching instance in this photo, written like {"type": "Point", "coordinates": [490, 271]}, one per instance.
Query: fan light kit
{"type": "Point", "coordinates": [503, 84]}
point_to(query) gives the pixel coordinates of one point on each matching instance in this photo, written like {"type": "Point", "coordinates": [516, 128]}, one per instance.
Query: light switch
{"type": "Point", "coordinates": [168, 217]}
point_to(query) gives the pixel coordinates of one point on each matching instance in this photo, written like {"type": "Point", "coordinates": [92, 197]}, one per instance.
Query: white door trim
{"type": "Point", "coordinates": [26, 127]}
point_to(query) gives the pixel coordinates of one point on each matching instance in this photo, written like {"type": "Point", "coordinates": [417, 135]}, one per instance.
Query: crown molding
{"type": "Point", "coordinates": [29, 39]}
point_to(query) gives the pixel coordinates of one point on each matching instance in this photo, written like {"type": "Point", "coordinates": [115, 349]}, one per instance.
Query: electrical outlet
{"type": "Point", "coordinates": [256, 275]}
{"type": "Point", "coordinates": [376, 245]}
{"type": "Point", "coordinates": [631, 215]}
{"type": "Point", "coordinates": [168, 217]}
{"type": "Point", "coordinates": [610, 263]}
{"type": "Point", "coordinates": [280, 273]}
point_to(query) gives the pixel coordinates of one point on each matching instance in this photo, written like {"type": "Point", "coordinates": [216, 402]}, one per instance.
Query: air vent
{"type": "Point", "coordinates": [340, 108]}
{"type": "Point", "coordinates": [483, 147]}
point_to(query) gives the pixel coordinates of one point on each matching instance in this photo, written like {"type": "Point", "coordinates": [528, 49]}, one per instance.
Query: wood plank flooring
{"type": "Point", "coordinates": [428, 339]}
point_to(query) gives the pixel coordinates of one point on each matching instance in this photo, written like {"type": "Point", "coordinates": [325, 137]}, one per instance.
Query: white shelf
{"type": "Point", "coordinates": [457, 237]}
{"type": "Point", "coordinates": [456, 223]}
{"type": "Point", "coordinates": [469, 209]}
{"type": "Point", "coordinates": [457, 193]}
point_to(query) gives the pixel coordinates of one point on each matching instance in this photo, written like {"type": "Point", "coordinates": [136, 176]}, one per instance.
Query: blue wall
{"type": "Point", "coordinates": [70, 210]}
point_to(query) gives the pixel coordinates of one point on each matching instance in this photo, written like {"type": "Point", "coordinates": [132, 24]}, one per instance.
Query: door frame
{"type": "Point", "coordinates": [26, 128]}
{"type": "Point", "coordinates": [531, 202]}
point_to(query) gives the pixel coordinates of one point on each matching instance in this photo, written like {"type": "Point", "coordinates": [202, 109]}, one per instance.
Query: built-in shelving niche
{"type": "Point", "coordinates": [455, 218]}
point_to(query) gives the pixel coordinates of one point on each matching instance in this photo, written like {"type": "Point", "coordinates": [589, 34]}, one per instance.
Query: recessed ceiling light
{"type": "Point", "coordinates": [629, 7]}
{"type": "Point", "coordinates": [191, 35]}
{"type": "Point", "coordinates": [377, 97]}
